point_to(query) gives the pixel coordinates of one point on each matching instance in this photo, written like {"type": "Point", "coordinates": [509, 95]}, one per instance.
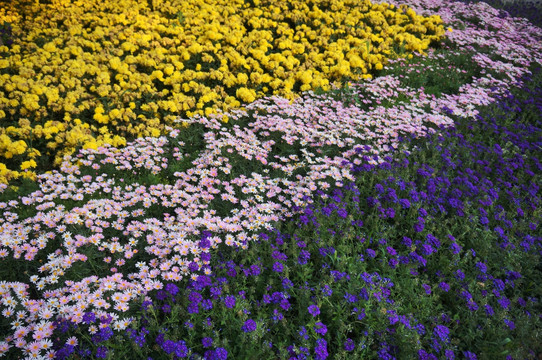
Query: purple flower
{"type": "Point", "coordinates": [390, 213]}
{"type": "Point", "coordinates": [442, 332]}
{"type": "Point", "coordinates": [489, 310]}
{"type": "Point", "coordinates": [361, 315]}
{"type": "Point", "coordinates": [287, 283]}
{"type": "Point", "coordinates": [498, 284]}
{"type": "Point", "coordinates": [444, 286]}
{"type": "Point", "coordinates": [349, 345]}
{"type": "Point", "coordinates": [321, 349]}
{"type": "Point", "coordinates": [172, 289]}
{"type": "Point", "coordinates": [101, 352]}
{"type": "Point", "coordinates": [510, 324]}
{"type": "Point", "coordinates": [427, 249]}
{"type": "Point", "coordinates": [469, 355]}
{"type": "Point", "coordinates": [303, 333]}
{"type": "Point", "coordinates": [103, 335]}
{"type": "Point", "coordinates": [231, 272]}
{"type": "Point", "coordinates": [326, 290]}
{"type": "Point", "coordinates": [221, 354]}
{"type": "Point", "coordinates": [230, 301]}
{"type": "Point", "coordinates": [203, 281]}
{"type": "Point", "coordinates": [255, 270]}
{"type": "Point", "coordinates": [320, 328]}
{"type": "Point", "coordinates": [181, 350]}
{"type": "Point", "coordinates": [195, 297]}
{"type": "Point", "coordinates": [285, 304]}
{"type": "Point", "coordinates": [342, 213]}
{"type": "Point", "coordinates": [420, 225]}
{"type": "Point", "coordinates": [433, 240]}
{"type": "Point", "coordinates": [350, 298]}
{"type": "Point", "coordinates": [303, 257]}
{"type": "Point", "coordinates": [456, 249]}
{"type": "Point", "coordinates": [249, 326]}
{"type": "Point", "coordinates": [193, 266]}
{"type": "Point", "coordinates": [393, 318]}
{"type": "Point", "coordinates": [314, 310]}
{"type": "Point", "coordinates": [106, 319]}
{"type": "Point", "coordinates": [278, 267]}
{"type": "Point", "coordinates": [207, 304]}
{"type": "Point", "coordinates": [279, 256]}
{"type": "Point", "coordinates": [466, 295]}
{"type": "Point", "coordinates": [472, 305]}
{"type": "Point", "coordinates": [192, 308]}
{"type": "Point", "coordinates": [216, 291]}
{"type": "Point", "coordinates": [160, 339]}
{"type": "Point", "coordinates": [504, 302]}
{"type": "Point", "coordinates": [204, 243]}
{"type": "Point", "coordinates": [205, 256]}
{"type": "Point", "coordinates": [420, 329]}
{"type": "Point", "coordinates": [481, 266]}
{"type": "Point", "coordinates": [168, 346]}
{"type": "Point", "coordinates": [89, 317]}
{"type": "Point", "coordinates": [460, 275]}
{"type": "Point", "coordinates": [391, 251]}
{"type": "Point", "coordinates": [424, 355]}
{"type": "Point", "coordinates": [427, 289]}
{"type": "Point", "coordinates": [277, 316]}
{"type": "Point", "coordinates": [404, 203]}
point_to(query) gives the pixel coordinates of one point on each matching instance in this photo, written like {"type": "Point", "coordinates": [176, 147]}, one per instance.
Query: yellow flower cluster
{"type": "Point", "coordinates": [89, 73]}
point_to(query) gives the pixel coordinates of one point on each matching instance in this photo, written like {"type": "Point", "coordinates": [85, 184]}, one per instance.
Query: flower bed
{"type": "Point", "coordinates": [87, 242]}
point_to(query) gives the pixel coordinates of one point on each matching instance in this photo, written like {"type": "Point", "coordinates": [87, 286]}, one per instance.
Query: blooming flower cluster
{"type": "Point", "coordinates": [85, 75]}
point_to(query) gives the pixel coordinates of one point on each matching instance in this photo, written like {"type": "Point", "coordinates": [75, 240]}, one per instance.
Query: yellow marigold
{"type": "Point", "coordinates": [306, 77]}
{"type": "Point", "coordinates": [115, 113]}
{"type": "Point", "coordinates": [102, 119]}
{"type": "Point", "coordinates": [246, 95]}
{"type": "Point", "coordinates": [28, 164]}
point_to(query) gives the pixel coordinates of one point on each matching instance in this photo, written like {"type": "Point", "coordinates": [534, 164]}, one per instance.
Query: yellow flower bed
{"type": "Point", "coordinates": [91, 72]}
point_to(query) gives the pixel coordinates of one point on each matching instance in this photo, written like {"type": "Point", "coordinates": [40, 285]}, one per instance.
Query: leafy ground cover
{"type": "Point", "coordinates": [396, 217]}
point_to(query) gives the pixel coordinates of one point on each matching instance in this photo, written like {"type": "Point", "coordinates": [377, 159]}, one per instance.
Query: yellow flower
{"type": "Point", "coordinates": [91, 145]}
{"type": "Point", "coordinates": [306, 77]}
{"type": "Point", "coordinates": [246, 95]}
{"type": "Point", "coordinates": [169, 70]}
{"type": "Point", "coordinates": [28, 164]}
{"type": "Point", "coordinates": [114, 113]}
